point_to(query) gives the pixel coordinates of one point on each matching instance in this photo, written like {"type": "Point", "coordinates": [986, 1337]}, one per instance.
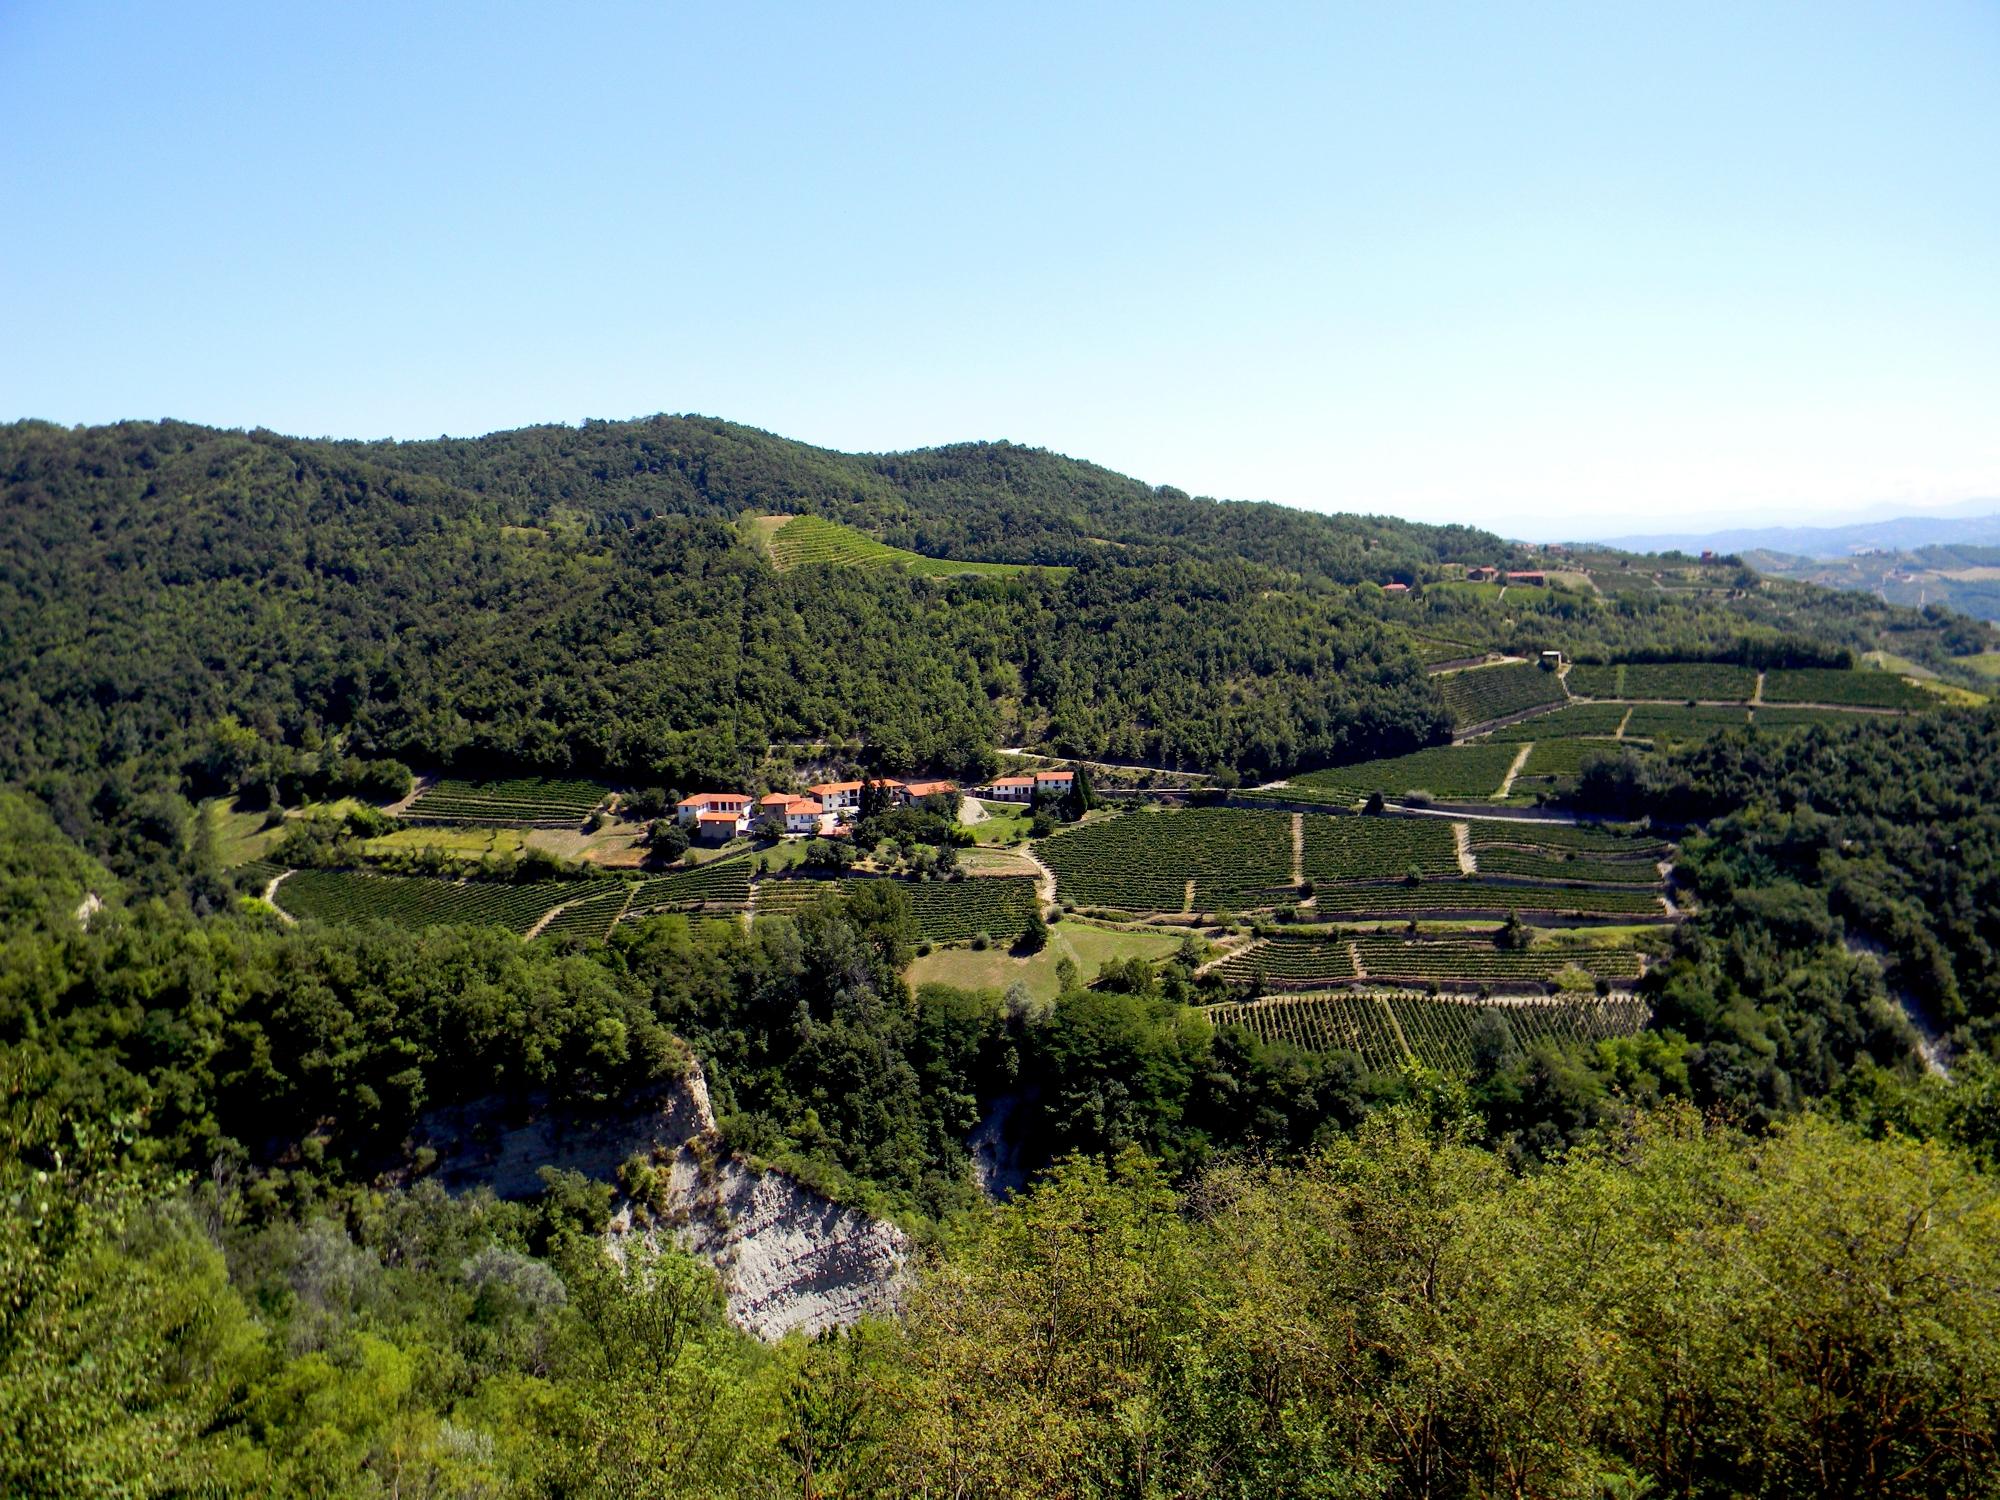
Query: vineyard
{"type": "Point", "coordinates": [787, 897]}
{"type": "Point", "coordinates": [1559, 759]}
{"type": "Point", "coordinates": [416, 902]}
{"type": "Point", "coordinates": [1387, 1031]}
{"type": "Point", "coordinates": [1397, 959]}
{"type": "Point", "coordinates": [1144, 861]}
{"type": "Point", "coordinates": [1656, 721]}
{"type": "Point", "coordinates": [1444, 771]}
{"type": "Point", "coordinates": [592, 917]}
{"type": "Point", "coordinates": [1450, 898]}
{"type": "Point", "coordinates": [1290, 963]}
{"type": "Point", "coordinates": [1479, 694]}
{"type": "Point", "coordinates": [950, 911]}
{"type": "Point", "coordinates": [1505, 861]}
{"type": "Point", "coordinates": [519, 803]}
{"type": "Point", "coordinates": [1377, 848]}
{"type": "Point", "coordinates": [1430, 651]}
{"type": "Point", "coordinates": [806, 540]}
{"type": "Point", "coordinates": [717, 885]}
{"type": "Point", "coordinates": [1803, 718]}
{"type": "Point", "coordinates": [1582, 838]}
{"type": "Point", "coordinates": [1830, 685]}
{"type": "Point", "coordinates": [1565, 723]}
{"type": "Point", "coordinates": [1715, 682]}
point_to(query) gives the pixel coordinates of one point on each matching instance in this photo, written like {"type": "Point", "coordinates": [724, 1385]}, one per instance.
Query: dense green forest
{"type": "Point", "coordinates": [210, 1288]}
{"type": "Point", "coordinates": [1749, 1250]}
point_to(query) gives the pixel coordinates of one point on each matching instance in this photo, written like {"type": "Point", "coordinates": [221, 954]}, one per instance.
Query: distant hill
{"type": "Point", "coordinates": [1962, 577]}
{"type": "Point", "coordinates": [1894, 534]}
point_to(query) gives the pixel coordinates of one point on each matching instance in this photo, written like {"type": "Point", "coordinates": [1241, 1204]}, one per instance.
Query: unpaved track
{"type": "Point", "coordinates": [1507, 781]}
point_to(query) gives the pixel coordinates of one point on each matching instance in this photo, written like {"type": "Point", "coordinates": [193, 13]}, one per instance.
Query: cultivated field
{"type": "Point", "coordinates": [519, 802]}
{"type": "Point", "coordinates": [1337, 848]}
{"type": "Point", "coordinates": [1705, 681]}
{"type": "Point", "coordinates": [1474, 897]}
{"type": "Point", "coordinates": [806, 540]}
{"type": "Point", "coordinates": [1452, 771]}
{"type": "Point", "coordinates": [1143, 862]}
{"type": "Point", "coordinates": [1481, 693]}
{"type": "Point", "coordinates": [718, 885]}
{"type": "Point", "coordinates": [1859, 689]}
{"type": "Point", "coordinates": [1565, 723]}
{"type": "Point", "coordinates": [1388, 1031]}
{"type": "Point", "coordinates": [415, 901]}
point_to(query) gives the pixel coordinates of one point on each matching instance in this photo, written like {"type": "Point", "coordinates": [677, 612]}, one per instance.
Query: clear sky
{"type": "Point", "coordinates": [1557, 269]}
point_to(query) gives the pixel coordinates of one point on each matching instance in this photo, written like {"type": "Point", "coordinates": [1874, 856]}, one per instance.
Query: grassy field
{"type": "Point", "coordinates": [1089, 948]}
{"type": "Point", "coordinates": [1004, 823]}
{"type": "Point", "coordinates": [1986, 664]}
{"type": "Point", "coordinates": [801, 541]}
{"type": "Point", "coordinates": [461, 843]}
{"type": "Point", "coordinates": [239, 834]}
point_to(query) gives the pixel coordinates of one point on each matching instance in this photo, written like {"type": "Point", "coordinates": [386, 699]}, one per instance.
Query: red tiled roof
{"type": "Point", "coordinates": [715, 799]}
{"type": "Point", "coordinates": [1014, 781]}
{"type": "Point", "coordinates": [715, 817]}
{"type": "Point", "coordinates": [799, 807]}
{"type": "Point", "coordinates": [930, 788]}
{"type": "Point", "coordinates": [777, 799]}
{"type": "Point", "coordinates": [1055, 775]}
{"type": "Point", "coordinates": [834, 786]}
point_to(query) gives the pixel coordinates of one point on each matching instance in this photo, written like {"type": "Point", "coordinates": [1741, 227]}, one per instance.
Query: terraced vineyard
{"type": "Point", "coordinates": [1479, 694]}
{"type": "Point", "coordinates": [1552, 866]}
{"type": "Point", "coordinates": [782, 897]}
{"type": "Point", "coordinates": [1289, 963]}
{"type": "Point", "coordinates": [417, 901]}
{"type": "Point", "coordinates": [1657, 721]}
{"type": "Point", "coordinates": [950, 911]}
{"type": "Point", "coordinates": [1454, 771]}
{"type": "Point", "coordinates": [1555, 760]}
{"type": "Point", "coordinates": [1565, 723]}
{"type": "Point", "coordinates": [1341, 1022]}
{"type": "Point", "coordinates": [806, 540]}
{"type": "Point", "coordinates": [1586, 838]}
{"type": "Point", "coordinates": [1804, 718]}
{"type": "Point", "coordinates": [1716, 682]}
{"type": "Point", "coordinates": [1438, 1031]}
{"type": "Point", "coordinates": [716, 885]}
{"type": "Point", "coordinates": [592, 917]}
{"type": "Point", "coordinates": [1337, 848]}
{"type": "Point", "coordinates": [527, 801]}
{"type": "Point", "coordinates": [1830, 685]}
{"type": "Point", "coordinates": [1431, 651]}
{"type": "Point", "coordinates": [1450, 898]}
{"type": "Point", "coordinates": [1142, 862]}
{"type": "Point", "coordinates": [1399, 959]}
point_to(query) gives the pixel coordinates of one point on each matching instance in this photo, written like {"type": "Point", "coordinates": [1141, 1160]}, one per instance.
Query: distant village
{"type": "Point", "coordinates": [829, 809]}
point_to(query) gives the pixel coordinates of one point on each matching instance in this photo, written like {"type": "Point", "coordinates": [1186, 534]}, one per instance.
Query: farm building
{"type": "Point", "coordinates": [1553, 660]}
{"type": "Point", "coordinates": [1481, 575]}
{"type": "Point", "coordinates": [1395, 588]}
{"type": "Point", "coordinates": [1529, 579]}
{"type": "Point", "coordinates": [838, 796]}
{"type": "Point", "coordinates": [1054, 781]}
{"type": "Point", "coordinates": [916, 789]}
{"type": "Point", "coordinates": [721, 826]}
{"type": "Point", "coordinates": [802, 815]}
{"type": "Point", "coordinates": [690, 809]}
{"type": "Point", "coordinates": [1010, 789]}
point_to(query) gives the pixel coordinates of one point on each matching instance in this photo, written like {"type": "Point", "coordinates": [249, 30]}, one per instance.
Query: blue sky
{"type": "Point", "coordinates": [1558, 269]}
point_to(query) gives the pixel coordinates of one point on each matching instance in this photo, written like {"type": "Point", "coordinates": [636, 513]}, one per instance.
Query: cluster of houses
{"type": "Point", "coordinates": [826, 810]}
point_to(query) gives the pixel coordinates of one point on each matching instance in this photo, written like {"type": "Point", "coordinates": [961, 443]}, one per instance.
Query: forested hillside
{"type": "Point", "coordinates": [1651, 1154]}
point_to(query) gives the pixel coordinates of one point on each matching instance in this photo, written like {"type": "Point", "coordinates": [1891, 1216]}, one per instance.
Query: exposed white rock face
{"type": "Point", "coordinates": [789, 1258]}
